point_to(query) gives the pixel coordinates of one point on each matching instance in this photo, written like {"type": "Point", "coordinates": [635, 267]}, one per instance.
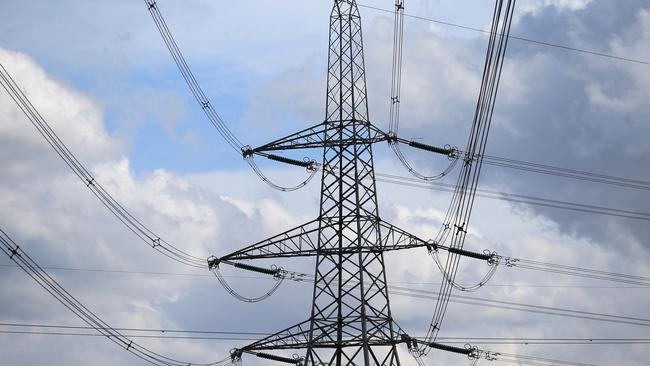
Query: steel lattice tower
{"type": "Point", "coordinates": [351, 321]}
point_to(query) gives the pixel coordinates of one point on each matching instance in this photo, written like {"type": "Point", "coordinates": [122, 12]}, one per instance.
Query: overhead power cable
{"type": "Point", "coordinates": [566, 173]}
{"type": "Point", "coordinates": [519, 38]}
{"type": "Point", "coordinates": [517, 198]}
{"type": "Point", "coordinates": [49, 284]}
{"type": "Point", "coordinates": [490, 355]}
{"type": "Point", "coordinates": [206, 105]}
{"type": "Point", "coordinates": [456, 222]}
{"type": "Point", "coordinates": [122, 214]}
{"type": "Point", "coordinates": [50, 329]}
{"type": "Point", "coordinates": [642, 284]}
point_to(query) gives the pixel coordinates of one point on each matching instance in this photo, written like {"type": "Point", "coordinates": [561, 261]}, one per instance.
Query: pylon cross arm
{"type": "Point", "coordinates": [296, 242]}
{"type": "Point", "coordinates": [301, 336]}
{"type": "Point", "coordinates": [314, 137]}
{"type": "Point", "coordinates": [302, 241]}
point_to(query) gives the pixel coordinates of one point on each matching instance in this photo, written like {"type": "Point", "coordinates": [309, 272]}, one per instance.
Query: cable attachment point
{"type": "Point", "coordinates": [312, 165]}
{"type": "Point", "coordinates": [494, 259]}
{"type": "Point", "coordinates": [247, 151]}
{"type": "Point", "coordinates": [411, 343]}
{"type": "Point", "coordinates": [391, 138]}
{"type": "Point", "coordinates": [474, 352]}
{"type": "Point", "coordinates": [454, 153]}
{"type": "Point", "coordinates": [235, 355]}
{"type": "Point", "coordinates": [213, 262]}
{"type": "Point", "coordinates": [432, 246]}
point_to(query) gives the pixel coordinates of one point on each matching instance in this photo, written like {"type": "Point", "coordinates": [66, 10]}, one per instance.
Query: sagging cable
{"type": "Point", "coordinates": [452, 156]}
{"type": "Point", "coordinates": [491, 258]}
{"type": "Point", "coordinates": [310, 165]}
{"type": "Point", "coordinates": [276, 272]}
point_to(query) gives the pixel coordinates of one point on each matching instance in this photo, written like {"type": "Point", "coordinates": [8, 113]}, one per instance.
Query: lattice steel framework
{"type": "Point", "coordinates": [351, 321]}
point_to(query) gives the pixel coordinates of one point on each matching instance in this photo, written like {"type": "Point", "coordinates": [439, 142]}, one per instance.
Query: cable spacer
{"type": "Point", "coordinates": [155, 242]}
{"type": "Point", "coordinates": [151, 4]}
{"type": "Point", "coordinates": [14, 252]}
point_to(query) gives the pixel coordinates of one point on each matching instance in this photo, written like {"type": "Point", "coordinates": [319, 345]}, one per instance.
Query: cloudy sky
{"type": "Point", "coordinates": [101, 76]}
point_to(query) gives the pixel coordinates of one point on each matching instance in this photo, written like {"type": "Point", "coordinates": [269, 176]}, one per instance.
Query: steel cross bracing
{"type": "Point", "coordinates": [351, 321]}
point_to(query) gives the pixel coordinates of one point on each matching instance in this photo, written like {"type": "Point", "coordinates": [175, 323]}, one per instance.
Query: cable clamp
{"type": "Point", "coordinates": [467, 160]}
{"type": "Point", "coordinates": [460, 228]}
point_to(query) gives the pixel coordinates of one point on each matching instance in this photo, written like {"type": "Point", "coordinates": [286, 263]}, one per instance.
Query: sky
{"type": "Point", "coordinates": [101, 75]}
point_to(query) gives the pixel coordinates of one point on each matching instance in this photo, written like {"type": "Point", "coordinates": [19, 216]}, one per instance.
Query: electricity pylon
{"type": "Point", "coordinates": [351, 321]}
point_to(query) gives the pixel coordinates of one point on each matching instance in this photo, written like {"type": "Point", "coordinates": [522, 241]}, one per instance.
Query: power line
{"type": "Point", "coordinates": [519, 38]}
{"type": "Point", "coordinates": [518, 198]}
{"type": "Point", "coordinates": [50, 285]}
{"type": "Point", "coordinates": [156, 273]}
{"type": "Point", "coordinates": [223, 335]}
{"type": "Point", "coordinates": [500, 304]}
{"type": "Point", "coordinates": [120, 212]}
